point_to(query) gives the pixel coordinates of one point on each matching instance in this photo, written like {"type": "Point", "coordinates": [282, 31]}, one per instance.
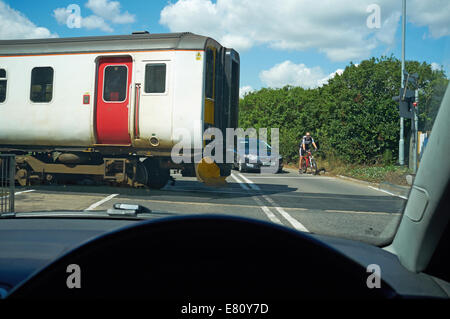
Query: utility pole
{"type": "Point", "coordinates": [401, 145]}
{"type": "Point", "coordinates": [416, 130]}
{"type": "Point", "coordinates": [407, 102]}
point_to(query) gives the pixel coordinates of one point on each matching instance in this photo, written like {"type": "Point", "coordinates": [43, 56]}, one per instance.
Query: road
{"type": "Point", "coordinates": [317, 204]}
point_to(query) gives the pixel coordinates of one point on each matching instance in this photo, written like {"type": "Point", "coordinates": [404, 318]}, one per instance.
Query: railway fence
{"type": "Point", "coordinates": [7, 180]}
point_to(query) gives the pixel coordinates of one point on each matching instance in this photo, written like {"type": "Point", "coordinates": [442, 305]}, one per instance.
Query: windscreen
{"type": "Point", "coordinates": [327, 109]}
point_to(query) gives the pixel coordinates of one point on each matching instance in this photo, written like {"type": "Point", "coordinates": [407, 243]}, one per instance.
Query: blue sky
{"type": "Point", "coordinates": [283, 42]}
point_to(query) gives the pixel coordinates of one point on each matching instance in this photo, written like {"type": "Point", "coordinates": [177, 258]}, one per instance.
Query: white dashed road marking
{"type": "Point", "coordinates": [382, 190]}
{"type": "Point", "coordinates": [267, 211]}
{"type": "Point", "coordinates": [240, 182]}
{"type": "Point", "coordinates": [250, 183]}
{"type": "Point", "coordinates": [295, 223]}
{"type": "Point", "coordinates": [93, 206]}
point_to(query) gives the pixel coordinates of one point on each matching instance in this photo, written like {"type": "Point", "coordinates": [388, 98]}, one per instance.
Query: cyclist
{"type": "Point", "coordinates": [305, 145]}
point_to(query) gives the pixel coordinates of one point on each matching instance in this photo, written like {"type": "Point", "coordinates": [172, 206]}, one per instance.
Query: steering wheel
{"type": "Point", "coordinates": [206, 257]}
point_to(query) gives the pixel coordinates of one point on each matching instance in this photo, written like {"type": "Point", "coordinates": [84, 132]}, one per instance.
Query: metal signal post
{"type": "Point", "coordinates": [401, 145]}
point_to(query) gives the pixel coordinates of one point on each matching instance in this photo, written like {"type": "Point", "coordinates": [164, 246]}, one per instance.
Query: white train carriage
{"type": "Point", "coordinates": [98, 105]}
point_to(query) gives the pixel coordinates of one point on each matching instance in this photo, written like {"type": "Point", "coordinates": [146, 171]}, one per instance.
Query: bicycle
{"type": "Point", "coordinates": [308, 161]}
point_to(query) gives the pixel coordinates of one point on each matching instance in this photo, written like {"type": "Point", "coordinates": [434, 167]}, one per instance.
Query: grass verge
{"type": "Point", "coordinates": [374, 173]}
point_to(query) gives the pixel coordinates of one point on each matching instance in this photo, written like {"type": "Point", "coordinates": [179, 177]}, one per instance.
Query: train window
{"type": "Point", "coordinates": [41, 84]}
{"type": "Point", "coordinates": [209, 76]}
{"type": "Point", "coordinates": [2, 85]}
{"type": "Point", "coordinates": [115, 83]}
{"type": "Point", "coordinates": [155, 78]}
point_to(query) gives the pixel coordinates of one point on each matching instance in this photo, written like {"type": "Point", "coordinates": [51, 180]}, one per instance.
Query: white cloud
{"type": "Point", "coordinates": [436, 66]}
{"type": "Point", "coordinates": [336, 28]}
{"type": "Point", "coordinates": [15, 25]}
{"type": "Point", "coordinates": [244, 90]}
{"type": "Point", "coordinates": [110, 10]}
{"type": "Point", "coordinates": [61, 15]}
{"type": "Point", "coordinates": [435, 14]}
{"type": "Point", "coordinates": [90, 22]}
{"type": "Point", "coordinates": [386, 34]}
{"type": "Point", "coordinates": [339, 31]}
{"type": "Point", "coordinates": [330, 76]}
{"type": "Point", "coordinates": [105, 12]}
{"type": "Point", "coordinates": [95, 22]}
{"type": "Point", "coordinates": [289, 73]}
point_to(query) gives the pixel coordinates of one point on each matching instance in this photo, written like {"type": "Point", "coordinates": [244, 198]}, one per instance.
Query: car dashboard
{"type": "Point", "coordinates": [201, 256]}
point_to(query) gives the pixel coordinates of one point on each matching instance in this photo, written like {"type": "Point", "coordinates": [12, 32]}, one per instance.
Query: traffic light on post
{"type": "Point", "coordinates": [406, 100]}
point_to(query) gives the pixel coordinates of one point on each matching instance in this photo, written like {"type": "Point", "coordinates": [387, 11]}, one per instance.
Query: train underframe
{"type": "Point", "coordinates": [94, 168]}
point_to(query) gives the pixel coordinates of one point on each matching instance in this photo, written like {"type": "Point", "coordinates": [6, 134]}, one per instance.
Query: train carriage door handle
{"type": "Point", "coordinates": [136, 109]}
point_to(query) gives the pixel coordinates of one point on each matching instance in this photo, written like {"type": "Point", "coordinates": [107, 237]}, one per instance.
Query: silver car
{"type": "Point", "coordinates": [251, 154]}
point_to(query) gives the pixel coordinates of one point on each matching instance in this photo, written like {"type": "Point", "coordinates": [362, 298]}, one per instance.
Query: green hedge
{"type": "Point", "coordinates": [352, 118]}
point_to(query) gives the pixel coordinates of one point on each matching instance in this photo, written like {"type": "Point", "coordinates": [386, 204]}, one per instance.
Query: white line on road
{"type": "Point", "coordinates": [271, 215]}
{"type": "Point", "coordinates": [101, 202]}
{"type": "Point", "coordinates": [359, 212]}
{"type": "Point", "coordinates": [387, 192]}
{"type": "Point", "coordinates": [297, 225]}
{"type": "Point", "coordinates": [274, 204]}
{"type": "Point", "coordinates": [250, 183]}
{"type": "Point", "coordinates": [18, 193]}
{"type": "Point", "coordinates": [27, 191]}
{"type": "Point", "coordinates": [240, 182]}
{"type": "Point", "coordinates": [267, 211]}
{"type": "Point", "coordinates": [270, 200]}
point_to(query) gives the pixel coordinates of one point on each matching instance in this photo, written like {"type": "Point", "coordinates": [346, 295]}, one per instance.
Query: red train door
{"type": "Point", "coordinates": [113, 96]}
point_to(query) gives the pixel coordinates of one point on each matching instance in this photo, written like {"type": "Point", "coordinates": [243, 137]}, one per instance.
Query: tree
{"type": "Point", "coordinates": [353, 117]}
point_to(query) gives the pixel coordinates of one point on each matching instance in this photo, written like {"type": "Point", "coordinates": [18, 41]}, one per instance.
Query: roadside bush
{"type": "Point", "coordinates": [353, 117]}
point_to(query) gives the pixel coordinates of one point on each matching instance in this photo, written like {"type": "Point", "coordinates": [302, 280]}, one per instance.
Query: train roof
{"type": "Point", "coordinates": [131, 42]}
